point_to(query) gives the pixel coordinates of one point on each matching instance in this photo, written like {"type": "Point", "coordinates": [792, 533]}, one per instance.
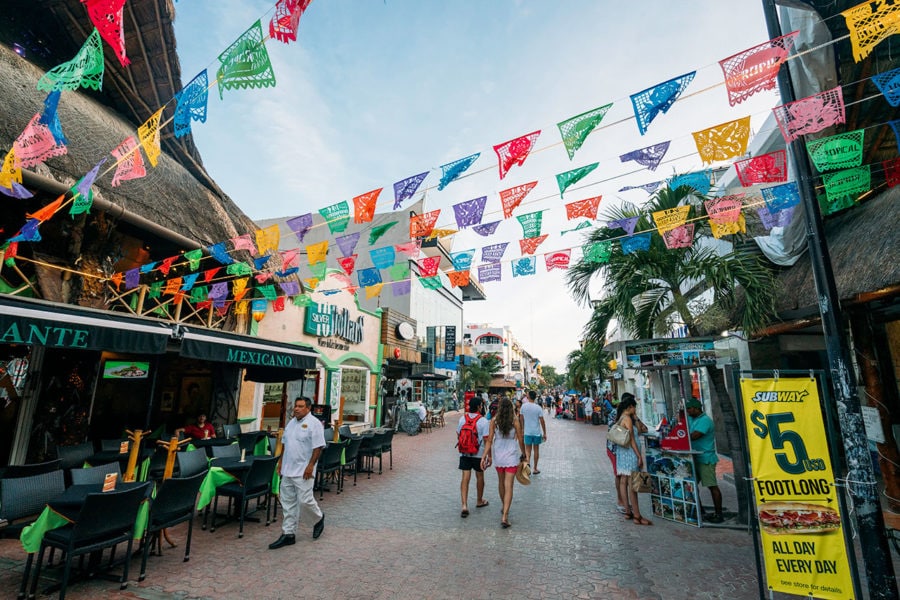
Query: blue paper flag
{"type": "Point", "coordinates": [462, 261]}
{"type": "Point", "coordinates": [188, 281]}
{"type": "Point", "coordinates": [647, 187]}
{"type": "Point", "coordinates": [782, 196]}
{"type": "Point", "coordinates": [148, 267]}
{"type": "Point", "coordinates": [699, 180]}
{"type": "Point", "coordinates": [404, 189]}
{"type": "Point", "coordinates": [453, 170]}
{"type": "Point", "coordinates": [383, 257]}
{"type": "Point", "coordinates": [895, 125]}
{"type": "Point", "coordinates": [522, 267]}
{"type": "Point", "coordinates": [288, 272]}
{"type": "Point", "coordinates": [370, 276]}
{"type": "Point", "coordinates": [218, 252]}
{"type": "Point", "coordinates": [636, 243]}
{"type": "Point", "coordinates": [260, 261]}
{"type": "Point", "coordinates": [192, 100]}
{"type": "Point", "coordinates": [889, 85]}
{"type": "Point", "coordinates": [50, 118]}
{"type": "Point", "coordinates": [659, 98]}
{"type": "Point", "coordinates": [29, 232]}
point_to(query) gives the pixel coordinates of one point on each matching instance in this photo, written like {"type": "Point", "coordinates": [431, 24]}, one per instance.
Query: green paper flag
{"type": "Point", "coordinates": [400, 271]}
{"type": "Point", "coordinates": [82, 203]}
{"type": "Point", "coordinates": [828, 207]}
{"type": "Point", "coordinates": [564, 180]}
{"type": "Point", "coordinates": [318, 270]}
{"type": "Point", "coordinates": [379, 231]}
{"type": "Point", "coordinates": [199, 293]}
{"type": "Point", "coordinates": [194, 257]}
{"type": "Point", "coordinates": [85, 70]}
{"type": "Point", "coordinates": [575, 130]}
{"type": "Point", "coordinates": [531, 224]}
{"type": "Point", "coordinates": [155, 289]}
{"type": "Point", "coordinates": [268, 291]}
{"type": "Point", "coordinates": [847, 182]}
{"type": "Point", "coordinates": [337, 216]}
{"type": "Point", "coordinates": [239, 269]}
{"type": "Point", "coordinates": [582, 225]}
{"type": "Point", "coordinates": [597, 252]}
{"type": "Point", "coordinates": [839, 151]}
{"type": "Point", "coordinates": [431, 283]}
{"type": "Point", "coordinates": [245, 64]}
{"type": "Point", "coordinates": [302, 300]}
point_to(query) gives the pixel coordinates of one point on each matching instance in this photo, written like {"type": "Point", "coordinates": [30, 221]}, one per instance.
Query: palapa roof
{"type": "Point", "coordinates": [177, 194]}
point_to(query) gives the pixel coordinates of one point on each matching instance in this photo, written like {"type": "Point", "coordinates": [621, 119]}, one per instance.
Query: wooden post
{"type": "Point", "coordinates": [135, 437]}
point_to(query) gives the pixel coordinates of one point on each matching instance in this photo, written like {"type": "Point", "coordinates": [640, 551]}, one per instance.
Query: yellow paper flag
{"type": "Point", "coordinates": [721, 229]}
{"type": "Point", "coordinates": [10, 171]}
{"type": "Point", "coordinates": [316, 253]}
{"type": "Point", "coordinates": [671, 218]}
{"type": "Point", "coordinates": [267, 240]}
{"type": "Point", "coordinates": [373, 290]}
{"type": "Point", "coordinates": [870, 23]}
{"type": "Point", "coordinates": [728, 140]}
{"type": "Point", "coordinates": [148, 133]}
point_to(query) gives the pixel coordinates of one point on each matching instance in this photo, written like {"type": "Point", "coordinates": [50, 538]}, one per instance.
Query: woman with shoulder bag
{"type": "Point", "coordinates": [505, 449]}
{"type": "Point", "coordinates": [629, 459]}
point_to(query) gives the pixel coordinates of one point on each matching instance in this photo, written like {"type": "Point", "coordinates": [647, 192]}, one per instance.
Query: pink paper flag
{"type": "Point", "coordinates": [514, 152]}
{"type": "Point", "coordinates": [129, 162]}
{"type": "Point", "coordinates": [558, 260]}
{"type": "Point", "coordinates": [680, 237]}
{"type": "Point", "coordinates": [756, 68]}
{"type": "Point", "coordinates": [510, 199]}
{"type": "Point", "coordinates": [290, 259]}
{"type": "Point", "coordinates": [244, 242]}
{"type": "Point", "coordinates": [36, 144]}
{"type": "Point", "coordinates": [410, 249]}
{"type": "Point", "coordinates": [726, 209]}
{"type": "Point", "coordinates": [766, 168]}
{"type": "Point", "coordinates": [810, 114]}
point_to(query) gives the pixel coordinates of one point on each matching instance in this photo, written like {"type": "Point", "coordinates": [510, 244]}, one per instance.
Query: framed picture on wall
{"type": "Point", "coordinates": [195, 395]}
{"type": "Point", "coordinates": [167, 401]}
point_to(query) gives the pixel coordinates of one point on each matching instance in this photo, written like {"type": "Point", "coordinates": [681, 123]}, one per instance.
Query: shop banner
{"type": "Point", "coordinates": [796, 499]}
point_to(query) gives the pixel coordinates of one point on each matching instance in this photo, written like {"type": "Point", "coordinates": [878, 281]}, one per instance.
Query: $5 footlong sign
{"type": "Point", "coordinates": [793, 482]}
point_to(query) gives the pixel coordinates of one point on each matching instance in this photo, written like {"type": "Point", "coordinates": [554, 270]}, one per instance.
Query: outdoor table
{"type": "Point", "coordinates": [105, 457]}
{"type": "Point", "coordinates": [222, 471]}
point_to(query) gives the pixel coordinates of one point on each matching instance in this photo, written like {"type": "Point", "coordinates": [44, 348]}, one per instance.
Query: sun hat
{"type": "Point", "coordinates": [523, 473]}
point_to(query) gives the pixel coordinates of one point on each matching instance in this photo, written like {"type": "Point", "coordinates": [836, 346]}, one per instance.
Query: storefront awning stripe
{"type": "Point", "coordinates": [258, 354]}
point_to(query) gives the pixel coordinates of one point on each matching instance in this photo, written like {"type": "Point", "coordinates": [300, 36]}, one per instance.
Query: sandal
{"type": "Point", "coordinates": [464, 513]}
{"type": "Point", "coordinates": [628, 516]}
{"type": "Point", "coordinates": [505, 524]}
{"type": "Point", "coordinates": [535, 472]}
{"type": "Point", "coordinates": [642, 521]}
{"type": "Point", "coordinates": [486, 503]}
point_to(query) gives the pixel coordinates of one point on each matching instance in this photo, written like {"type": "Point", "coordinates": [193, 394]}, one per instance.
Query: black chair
{"type": "Point", "coordinates": [344, 431]}
{"type": "Point", "coordinates": [257, 483]}
{"type": "Point", "coordinates": [174, 503]}
{"type": "Point", "coordinates": [96, 474]}
{"type": "Point", "coordinates": [329, 434]}
{"type": "Point", "coordinates": [113, 445]}
{"type": "Point", "coordinates": [106, 519]}
{"type": "Point", "coordinates": [232, 430]}
{"type": "Point", "coordinates": [386, 443]}
{"type": "Point", "coordinates": [14, 471]}
{"type": "Point", "coordinates": [73, 457]}
{"type": "Point", "coordinates": [369, 450]}
{"type": "Point", "coordinates": [21, 501]}
{"type": "Point", "coordinates": [191, 462]}
{"type": "Point", "coordinates": [330, 462]}
{"type": "Point", "coordinates": [230, 451]}
{"type": "Point", "coordinates": [351, 454]}
{"type": "Point", "coordinates": [247, 441]}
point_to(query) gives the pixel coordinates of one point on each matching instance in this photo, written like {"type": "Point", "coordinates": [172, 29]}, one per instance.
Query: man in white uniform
{"type": "Point", "coordinates": [303, 441]}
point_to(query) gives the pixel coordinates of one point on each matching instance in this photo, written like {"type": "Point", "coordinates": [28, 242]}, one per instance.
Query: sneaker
{"type": "Point", "coordinates": [318, 528]}
{"type": "Point", "coordinates": [284, 540]}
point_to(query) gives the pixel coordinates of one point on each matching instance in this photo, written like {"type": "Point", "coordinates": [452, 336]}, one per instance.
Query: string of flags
{"type": "Point", "coordinates": [245, 64]}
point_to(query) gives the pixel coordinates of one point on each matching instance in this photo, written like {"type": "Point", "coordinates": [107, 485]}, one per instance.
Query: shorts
{"type": "Point", "coordinates": [469, 463]}
{"type": "Point", "coordinates": [533, 440]}
{"type": "Point", "coordinates": [706, 474]}
{"type": "Point", "coordinates": [506, 469]}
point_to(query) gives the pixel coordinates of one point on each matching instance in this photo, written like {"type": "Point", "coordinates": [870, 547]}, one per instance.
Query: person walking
{"type": "Point", "coordinates": [621, 501]}
{"type": "Point", "coordinates": [629, 459]}
{"type": "Point", "coordinates": [504, 442]}
{"type": "Point", "coordinates": [703, 439]}
{"type": "Point", "coordinates": [472, 423]}
{"type": "Point", "coordinates": [303, 440]}
{"type": "Point", "coordinates": [534, 428]}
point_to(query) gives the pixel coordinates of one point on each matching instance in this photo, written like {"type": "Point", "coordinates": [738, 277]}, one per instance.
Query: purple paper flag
{"type": "Point", "coordinates": [649, 157]}
{"type": "Point", "coordinates": [636, 243]}
{"type": "Point", "coordinates": [490, 272]}
{"type": "Point", "coordinates": [486, 229]}
{"type": "Point", "coordinates": [401, 288]}
{"type": "Point", "coordinates": [494, 252]}
{"type": "Point", "coordinates": [469, 213]}
{"type": "Point", "coordinates": [290, 288]}
{"type": "Point", "coordinates": [626, 225]}
{"type": "Point", "coordinates": [16, 191]}
{"type": "Point", "coordinates": [29, 232]}
{"type": "Point", "coordinates": [300, 225]}
{"type": "Point", "coordinates": [779, 219]}
{"type": "Point", "coordinates": [218, 291]}
{"type": "Point", "coordinates": [647, 187]}
{"type": "Point", "coordinates": [347, 243]}
{"type": "Point", "coordinates": [132, 278]}
{"type": "Point", "coordinates": [404, 189]}
{"type": "Point", "coordinates": [84, 186]}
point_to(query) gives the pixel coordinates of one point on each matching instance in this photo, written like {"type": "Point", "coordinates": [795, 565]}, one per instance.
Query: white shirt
{"type": "Point", "coordinates": [422, 413]}
{"type": "Point", "coordinates": [532, 415]}
{"type": "Point", "coordinates": [300, 439]}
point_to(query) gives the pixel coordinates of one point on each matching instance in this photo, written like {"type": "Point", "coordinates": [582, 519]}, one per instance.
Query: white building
{"type": "Point", "coordinates": [518, 365]}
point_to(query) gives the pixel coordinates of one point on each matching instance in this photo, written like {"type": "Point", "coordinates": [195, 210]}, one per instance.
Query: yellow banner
{"type": "Point", "coordinates": [796, 501]}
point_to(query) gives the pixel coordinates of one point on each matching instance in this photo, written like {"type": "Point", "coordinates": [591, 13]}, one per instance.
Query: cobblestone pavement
{"type": "Point", "coordinates": [399, 535]}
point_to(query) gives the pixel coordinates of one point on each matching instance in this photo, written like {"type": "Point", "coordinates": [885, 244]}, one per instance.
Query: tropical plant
{"type": "Point", "coordinates": [586, 365]}
{"type": "Point", "coordinates": [478, 374]}
{"type": "Point", "coordinates": [648, 291]}
{"type": "Point", "coordinates": [551, 377]}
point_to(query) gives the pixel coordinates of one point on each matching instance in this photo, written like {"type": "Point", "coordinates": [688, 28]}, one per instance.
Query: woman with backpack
{"type": "Point", "coordinates": [506, 443]}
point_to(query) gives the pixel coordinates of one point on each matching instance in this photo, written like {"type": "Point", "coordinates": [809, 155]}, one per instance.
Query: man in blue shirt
{"type": "Point", "coordinates": [703, 440]}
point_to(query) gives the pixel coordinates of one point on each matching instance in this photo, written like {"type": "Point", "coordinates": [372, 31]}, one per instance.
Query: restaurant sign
{"type": "Point", "coordinates": [325, 320]}
{"type": "Point", "coordinates": [661, 354]}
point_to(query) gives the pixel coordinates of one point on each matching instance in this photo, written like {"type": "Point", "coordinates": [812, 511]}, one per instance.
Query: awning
{"type": "Point", "coordinates": [265, 360]}
{"type": "Point", "coordinates": [500, 382]}
{"type": "Point", "coordinates": [41, 323]}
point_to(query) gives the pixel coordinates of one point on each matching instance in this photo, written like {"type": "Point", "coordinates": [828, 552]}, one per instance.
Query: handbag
{"type": "Point", "coordinates": [523, 473]}
{"type": "Point", "coordinates": [640, 482]}
{"type": "Point", "coordinates": [619, 435]}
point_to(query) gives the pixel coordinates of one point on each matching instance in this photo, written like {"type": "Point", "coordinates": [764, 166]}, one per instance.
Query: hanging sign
{"type": "Point", "coordinates": [803, 546]}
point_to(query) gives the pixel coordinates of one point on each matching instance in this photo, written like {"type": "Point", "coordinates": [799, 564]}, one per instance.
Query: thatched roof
{"type": "Point", "coordinates": [864, 244]}
{"type": "Point", "coordinates": [178, 193]}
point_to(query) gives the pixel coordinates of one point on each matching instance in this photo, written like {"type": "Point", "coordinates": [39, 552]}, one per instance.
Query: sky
{"type": "Point", "coordinates": [375, 91]}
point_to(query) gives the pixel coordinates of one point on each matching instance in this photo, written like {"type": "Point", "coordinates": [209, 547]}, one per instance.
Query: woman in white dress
{"type": "Point", "coordinates": [505, 449]}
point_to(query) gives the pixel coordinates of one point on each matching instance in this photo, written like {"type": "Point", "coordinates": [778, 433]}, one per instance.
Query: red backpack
{"type": "Point", "coordinates": [468, 442]}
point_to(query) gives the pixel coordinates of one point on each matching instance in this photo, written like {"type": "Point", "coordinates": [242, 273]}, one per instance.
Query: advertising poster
{"type": "Point", "coordinates": [796, 500]}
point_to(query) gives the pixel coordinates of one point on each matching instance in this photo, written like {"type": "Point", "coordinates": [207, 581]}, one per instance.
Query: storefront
{"type": "Point", "coordinates": [347, 343]}
{"type": "Point", "coordinates": [71, 373]}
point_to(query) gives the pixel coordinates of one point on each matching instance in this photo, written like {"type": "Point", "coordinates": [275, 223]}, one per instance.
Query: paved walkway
{"type": "Point", "coordinates": [399, 535]}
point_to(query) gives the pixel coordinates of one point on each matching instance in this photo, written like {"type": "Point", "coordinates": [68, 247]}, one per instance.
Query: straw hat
{"type": "Point", "coordinates": [523, 473]}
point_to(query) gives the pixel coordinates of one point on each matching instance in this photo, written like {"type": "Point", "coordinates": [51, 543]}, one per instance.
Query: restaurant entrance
{"type": "Point", "coordinates": [14, 361]}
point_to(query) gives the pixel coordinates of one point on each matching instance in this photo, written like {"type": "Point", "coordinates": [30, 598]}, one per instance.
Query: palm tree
{"type": "Point", "coordinates": [587, 365]}
{"type": "Point", "coordinates": [478, 374]}
{"type": "Point", "coordinates": [648, 291]}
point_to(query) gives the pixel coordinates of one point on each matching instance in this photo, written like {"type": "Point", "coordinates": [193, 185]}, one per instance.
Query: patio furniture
{"type": "Point", "coordinates": [248, 441]}
{"type": "Point", "coordinates": [16, 471]}
{"type": "Point", "coordinates": [256, 483]}
{"type": "Point", "coordinates": [173, 504]}
{"type": "Point", "coordinates": [330, 462]}
{"type": "Point", "coordinates": [114, 445]}
{"type": "Point", "coordinates": [231, 430]}
{"type": "Point", "coordinates": [351, 453]}
{"type": "Point", "coordinates": [191, 462]}
{"type": "Point", "coordinates": [89, 475]}
{"type": "Point", "coordinates": [370, 449]}
{"type": "Point", "coordinates": [71, 457]}
{"type": "Point", "coordinates": [229, 451]}
{"type": "Point", "coordinates": [386, 443]}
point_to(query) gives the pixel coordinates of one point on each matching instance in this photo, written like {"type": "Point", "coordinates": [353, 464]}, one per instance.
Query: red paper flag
{"type": "Point", "coordinates": [892, 171]}
{"type": "Point", "coordinates": [583, 208]}
{"type": "Point", "coordinates": [166, 265]}
{"type": "Point", "coordinates": [364, 206]}
{"type": "Point", "coordinates": [511, 198]}
{"type": "Point", "coordinates": [514, 152]}
{"type": "Point", "coordinates": [106, 15]}
{"type": "Point", "coordinates": [278, 304]}
{"type": "Point", "coordinates": [348, 263]}
{"type": "Point", "coordinates": [558, 260]}
{"type": "Point", "coordinates": [210, 273]}
{"type": "Point", "coordinates": [428, 267]}
{"type": "Point", "coordinates": [529, 245]}
{"type": "Point", "coordinates": [423, 225]}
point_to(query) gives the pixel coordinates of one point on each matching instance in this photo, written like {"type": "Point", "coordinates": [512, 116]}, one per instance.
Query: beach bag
{"type": "Point", "coordinates": [640, 482]}
{"type": "Point", "coordinates": [619, 435]}
{"type": "Point", "coordinates": [467, 441]}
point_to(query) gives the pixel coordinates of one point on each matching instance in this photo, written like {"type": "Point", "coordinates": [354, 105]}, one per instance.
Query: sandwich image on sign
{"type": "Point", "coordinates": [781, 518]}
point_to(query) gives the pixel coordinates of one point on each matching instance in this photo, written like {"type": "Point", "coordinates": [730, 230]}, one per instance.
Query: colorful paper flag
{"type": "Point", "coordinates": [382, 257]}
{"type": "Point", "coordinates": [766, 168]}
{"type": "Point", "coordinates": [399, 271]}
{"type": "Point", "coordinates": [839, 151]}
{"type": "Point", "coordinates": [194, 257]}
{"type": "Point", "coordinates": [636, 243]}
{"type": "Point", "coordinates": [569, 178]}
{"type": "Point", "coordinates": [720, 230]}
{"type": "Point", "coordinates": [769, 219]}
{"type": "Point", "coordinates": [469, 213]}
{"type": "Point", "coordinates": [191, 104]}
{"type": "Point", "coordinates": [428, 267]}
{"type": "Point", "coordinates": [462, 261]}
{"type": "Point", "coordinates": [493, 253]}
{"type": "Point", "coordinates": [238, 269]}
{"type": "Point", "coordinates": [188, 281]}
{"type": "Point", "coordinates": [870, 23]}
{"type": "Point", "coordinates": [724, 141]}
{"type": "Point", "coordinates": [422, 225]}
{"type": "Point", "coordinates": [510, 199]}
{"type": "Point", "coordinates": [486, 229]}
{"type": "Point", "coordinates": [889, 85]}
{"type": "Point", "coordinates": [45, 212]}
{"type": "Point", "coordinates": [514, 152]}
{"type": "Point", "coordinates": [166, 265]}
{"type": "Point", "coordinates": [699, 180]}
{"type": "Point", "coordinates": [10, 172]}
{"type": "Point", "coordinates": [401, 288]}
{"type": "Point", "coordinates": [525, 266]}
{"type": "Point", "coordinates": [209, 274]}
{"type": "Point", "coordinates": [726, 209]}
{"type": "Point", "coordinates": [218, 252]}
{"type": "Point", "coordinates": [627, 225]}
{"type": "Point", "coordinates": [129, 162]}
{"type": "Point", "coordinates": [490, 272]}
{"type": "Point", "coordinates": [410, 249]}
{"type": "Point", "coordinates": [755, 69]}
{"type": "Point", "coordinates": [579, 227]}
{"type": "Point", "coordinates": [892, 171]}
{"type": "Point", "coordinates": [458, 278]}
{"type": "Point", "coordinates": [531, 224]}
{"type": "Point", "coordinates": [647, 187]}
{"type": "Point", "coordinates": [649, 157]}
{"type": "Point", "coordinates": [28, 233]}
{"type": "Point", "coordinates": [530, 245]}
{"type": "Point", "coordinates": [148, 134]}
{"type": "Point", "coordinates": [50, 117]}
{"type": "Point", "coordinates": [406, 188]}
{"type": "Point", "coordinates": [558, 260]}
{"type": "Point", "coordinates": [373, 290]}
{"type": "Point", "coordinates": [301, 225]}
{"type": "Point", "coordinates": [132, 278]}
{"type": "Point", "coordinates": [268, 239]}
{"type": "Point", "coordinates": [290, 288]}
{"type": "Point", "coordinates": [597, 252]}
{"type": "Point", "coordinates": [348, 263]}
{"type": "Point", "coordinates": [583, 208]}
{"type": "Point", "coordinates": [16, 190]}
{"type": "Point", "coordinates": [35, 145]}
{"type": "Point", "coordinates": [811, 114]}
{"type": "Point", "coordinates": [364, 206]}
{"type": "Point", "coordinates": [84, 70]}
{"type": "Point", "coordinates": [245, 242]}
{"type": "Point", "coordinates": [286, 20]}
{"type": "Point", "coordinates": [106, 16]}
{"type": "Point", "coordinates": [680, 237]}
{"type": "Point", "coordinates": [336, 216]}
{"type": "Point", "coordinates": [245, 63]}
{"type": "Point", "coordinates": [379, 231]}
{"type": "Point", "coordinates": [658, 99]}
{"type": "Point", "coordinates": [316, 253]}
{"type": "Point", "coordinates": [83, 193]}
{"type": "Point", "coordinates": [574, 131]}
{"type": "Point", "coordinates": [431, 283]}
{"type": "Point", "coordinates": [290, 258]}
{"type": "Point", "coordinates": [451, 171]}
{"type": "Point", "coordinates": [671, 218]}
{"type": "Point", "coordinates": [847, 182]}
{"type": "Point", "coordinates": [239, 288]}
{"type": "Point", "coordinates": [781, 196]}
